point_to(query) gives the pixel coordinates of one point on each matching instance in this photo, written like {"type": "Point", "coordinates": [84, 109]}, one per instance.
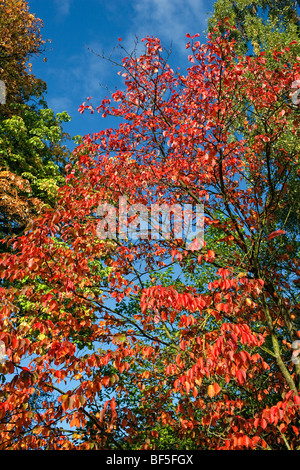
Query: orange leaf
{"type": "Point", "coordinates": [113, 404]}
{"type": "Point", "coordinates": [275, 234]}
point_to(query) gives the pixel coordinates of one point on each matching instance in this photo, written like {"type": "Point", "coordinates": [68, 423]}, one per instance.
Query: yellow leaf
{"type": "Point", "coordinates": [198, 382]}
{"type": "Point", "coordinates": [213, 389]}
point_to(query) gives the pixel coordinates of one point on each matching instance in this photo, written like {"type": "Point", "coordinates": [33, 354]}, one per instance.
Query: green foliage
{"type": "Point", "coordinates": [262, 25]}
{"type": "Point", "coordinates": [33, 151]}
{"type": "Point", "coordinates": [30, 146]}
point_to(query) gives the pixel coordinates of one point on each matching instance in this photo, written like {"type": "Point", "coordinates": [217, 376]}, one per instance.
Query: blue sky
{"type": "Point", "coordinates": [73, 73]}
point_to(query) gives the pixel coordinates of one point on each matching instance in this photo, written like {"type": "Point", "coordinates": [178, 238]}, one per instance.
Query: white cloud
{"type": "Point", "coordinates": [63, 7]}
{"type": "Point", "coordinates": [82, 75]}
{"type": "Point", "coordinates": [89, 71]}
{"type": "Point", "coordinates": [59, 104]}
{"type": "Point", "coordinates": [82, 72]}
{"type": "Point", "coordinates": [170, 20]}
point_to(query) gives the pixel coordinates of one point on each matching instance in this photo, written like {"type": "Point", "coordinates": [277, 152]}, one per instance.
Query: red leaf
{"type": "Point", "coordinates": [275, 234]}
{"type": "Point", "coordinates": [113, 404]}
{"type": "Point", "coordinates": [263, 423]}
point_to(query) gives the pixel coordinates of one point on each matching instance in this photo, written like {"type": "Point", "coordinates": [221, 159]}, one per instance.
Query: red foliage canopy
{"type": "Point", "coordinates": [208, 357]}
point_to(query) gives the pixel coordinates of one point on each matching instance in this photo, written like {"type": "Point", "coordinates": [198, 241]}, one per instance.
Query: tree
{"type": "Point", "coordinates": [209, 352]}
{"type": "Point", "coordinates": [259, 25]}
{"type": "Point", "coordinates": [32, 154]}
{"type": "Point", "coordinates": [20, 39]}
{"type": "Point", "coordinates": [264, 26]}
{"type": "Point", "coordinates": [32, 150]}
{"type": "Point", "coordinates": [32, 160]}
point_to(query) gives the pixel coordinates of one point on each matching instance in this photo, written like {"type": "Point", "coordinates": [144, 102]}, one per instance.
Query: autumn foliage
{"type": "Point", "coordinates": [145, 344]}
{"type": "Point", "coordinates": [20, 40]}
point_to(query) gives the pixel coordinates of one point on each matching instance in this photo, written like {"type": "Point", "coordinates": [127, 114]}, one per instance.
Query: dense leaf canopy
{"type": "Point", "coordinates": [151, 343]}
